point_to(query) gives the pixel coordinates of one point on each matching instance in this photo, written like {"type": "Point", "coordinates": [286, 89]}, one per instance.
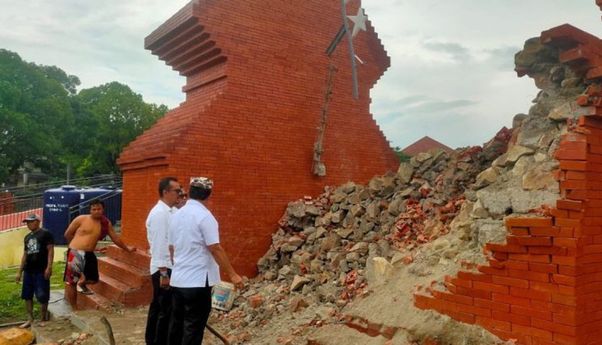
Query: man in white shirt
{"type": "Point", "coordinates": [157, 224]}
{"type": "Point", "coordinates": [197, 256]}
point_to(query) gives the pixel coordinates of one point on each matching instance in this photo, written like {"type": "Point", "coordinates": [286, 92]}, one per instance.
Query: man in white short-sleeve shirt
{"type": "Point", "coordinates": [157, 224]}
{"type": "Point", "coordinates": [193, 239]}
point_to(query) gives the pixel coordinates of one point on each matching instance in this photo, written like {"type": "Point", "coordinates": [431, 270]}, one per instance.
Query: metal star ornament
{"type": "Point", "coordinates": [359, 21]}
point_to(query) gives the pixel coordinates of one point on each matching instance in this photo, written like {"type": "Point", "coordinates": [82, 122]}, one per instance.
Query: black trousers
{"type": "Point", "coordinates": [190, 312]}
{"type": "Point", "coordinates": [159, 313]}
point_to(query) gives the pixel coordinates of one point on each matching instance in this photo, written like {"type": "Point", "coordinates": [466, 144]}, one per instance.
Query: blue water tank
{"type": "Point", "coordinates": [58, 210]}
{"type": "Point", "coordinates": [62, 205]}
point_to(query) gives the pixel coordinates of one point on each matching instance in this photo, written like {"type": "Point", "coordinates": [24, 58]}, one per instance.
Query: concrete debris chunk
{"type": "Point", "coordinates": [298, 282]}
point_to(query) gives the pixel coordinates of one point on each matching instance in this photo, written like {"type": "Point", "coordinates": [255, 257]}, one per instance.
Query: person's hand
{"type": "Point", "coordinates": [47, 273]}
{"type": "Point", "coordinates": [164, 282]}
{"type": "Point", "coordinates": [237, 281]}
{"type": "Point", "coordinates": [18, 278]}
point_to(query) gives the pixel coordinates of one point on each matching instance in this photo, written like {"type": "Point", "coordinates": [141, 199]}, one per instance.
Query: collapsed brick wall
{"type": "Point", "coordinates": [544, 285]}
{"type": "Point", "coordinates": [255, 86]}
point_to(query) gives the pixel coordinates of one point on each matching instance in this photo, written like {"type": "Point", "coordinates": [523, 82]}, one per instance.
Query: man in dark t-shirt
{"type": "Point", "coordinates": [36, 268]}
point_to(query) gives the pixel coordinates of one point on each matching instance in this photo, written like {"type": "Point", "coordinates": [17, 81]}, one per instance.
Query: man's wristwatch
{"type": "Point", "coordinates": [164, 274]}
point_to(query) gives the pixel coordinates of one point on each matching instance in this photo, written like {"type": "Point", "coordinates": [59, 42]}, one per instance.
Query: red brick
{"type": "Point", "coordinates": [569, 205]}
{"type": "Point", "coordinates": [564, 280]}
{"type": "Point", "coordinates": [532, 331]}
{"type": "Point", "coordinates": [530, 258]}
{"type": "Point", "coordinates": [556, 213]}
{"type": "Point", "coordinates": [516, 231]}
{"type": "Point", "coordinates": [566, 242]}
{"type": "Point", "coordinates": [517, 265]}
{"type": "Point", "coordinates": [545, 268]}
{"type": "Point", "coordinates": [564, 299]}
{"type": "Point", "coordinates": [553, 327]}
{"type": "Point", "coordinates": [544, 231]}
{"type": "Point", "coordinates": [562, 339]}
{"type": "Point", "coordinates": [565, 260]}
{"type": "Point", "coordinates": [459, 299]}
{"type": "Point", "coordinates": [462, 317]}
{"type": "Point", "coordinates": [492, 271]}
{"type": "Point", "coordinates": [485, 303]}
{"type": "Point", "coordinates": [512, 318]}
{"type": "Point", "coordinates": [528, 222]}
{"type": "Point", "coordinates": [474, 310]}
{"type": "Point", "coordinates": [533, 276]}
{"type": "Point", "coordinates": [460, 282]}
{"type": "Point", "coordinates": [512, 300]}
{"type": "Point", "coordinates": [570, 223]}
{"type": "Point", "coordinates": [255, 301]}
{"type": "Point", "coordinates": [566, 319]}
{"type": "Point", "coordinates": [571, 155]}
{"type": "Point", "coordinates": [526, 311]}
{"type": "Point", "coordinates": [548, 251]}
{"type": "Point", "coordinates": [423, 301]}
{"type": "Point", "coordinates": [592, 248]}
{"type": "Point", "coordinates": [533, 241]}
{"type": "Point", "coordinates": [545, 287]}
{"type": "Point", "coordinates": [475, 277]}
{"type": "Point", "coordinates": [491, 287]}
{"type": "Point", "coordinates": [572, 165]}
{"type": "Point", "coordinates": [505, 248]}
{"type": "Point", "coordinates": [532, 294]}
{"type": "Point", "coordinates": [490, 323]}
{"type": "Point", "coordinates": [475, 293]}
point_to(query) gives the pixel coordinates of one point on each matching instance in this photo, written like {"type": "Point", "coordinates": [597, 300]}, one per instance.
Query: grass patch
{"type": "Point", "coordinates": [12, 307]}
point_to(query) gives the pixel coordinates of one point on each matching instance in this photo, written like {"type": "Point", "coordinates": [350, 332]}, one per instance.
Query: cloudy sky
{"type": "Point", "coordinates": [452, 61]}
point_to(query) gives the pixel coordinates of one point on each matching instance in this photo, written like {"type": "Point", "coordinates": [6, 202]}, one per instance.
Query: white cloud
{"type": "Point", "coordinates": [461, 50]}
{"type": "Point", "coordinates": [451, 61]}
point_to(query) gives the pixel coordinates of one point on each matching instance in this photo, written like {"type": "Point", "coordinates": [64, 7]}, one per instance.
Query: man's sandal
{"type": "Point", "coordinates": [84, 291]}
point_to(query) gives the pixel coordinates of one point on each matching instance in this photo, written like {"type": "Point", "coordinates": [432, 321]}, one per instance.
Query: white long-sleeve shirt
{"type": "Point", "coordinates": [191, 231]}
{"type": "Point", "coordinates": [157, 224]}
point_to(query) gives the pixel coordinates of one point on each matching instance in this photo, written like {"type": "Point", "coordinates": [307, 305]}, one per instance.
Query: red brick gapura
{"type": "Point", "coordinates": [249, 120]}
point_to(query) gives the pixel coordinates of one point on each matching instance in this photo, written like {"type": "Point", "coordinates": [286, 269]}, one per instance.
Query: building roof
{"type": "Point", "coordinates": [423, 145]}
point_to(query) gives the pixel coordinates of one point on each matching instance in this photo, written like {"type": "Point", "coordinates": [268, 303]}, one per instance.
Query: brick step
{"type": "Point", "coordinates": [96, 302]}
{"type": "Point", "coordinates": [118, 291]}
{"type": "Point", "coordinates": [111, 288]}
{"type": "Point", "coordinates": [138, 259]}
{"type": "Point", "coordinates": [120, 271]}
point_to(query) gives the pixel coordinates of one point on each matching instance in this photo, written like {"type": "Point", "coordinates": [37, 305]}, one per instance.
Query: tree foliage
{"type": "Point", "coordinates": [45, 121]}
{"type": "Point", "coordinates": [403, 157]}
{"type": "Point", "coordinates": [113, 115]}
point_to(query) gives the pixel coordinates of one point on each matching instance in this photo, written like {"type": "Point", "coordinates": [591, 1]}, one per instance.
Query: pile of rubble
{"type": "Point", "coordinates": [325, 246]}
{"type": "Point", "coordinates": [409, 228]}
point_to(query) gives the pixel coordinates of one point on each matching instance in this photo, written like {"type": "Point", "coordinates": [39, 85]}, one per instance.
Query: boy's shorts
{"type": "Point", "coordinates": [34, 283]}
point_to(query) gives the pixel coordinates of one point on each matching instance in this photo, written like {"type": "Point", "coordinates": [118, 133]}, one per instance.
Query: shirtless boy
{"type": "Point", "coordinates": [83, 234]}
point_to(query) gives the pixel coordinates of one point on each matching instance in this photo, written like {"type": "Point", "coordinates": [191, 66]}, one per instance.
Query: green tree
{"type": "Point", "coordinates": [45, 121]}
{"type": "Point", "coordinates": [34, 110]}
{"type": "Point", "coordinates": [108, 117]}
{"type": "Point", "coordinates": [401, 155]}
